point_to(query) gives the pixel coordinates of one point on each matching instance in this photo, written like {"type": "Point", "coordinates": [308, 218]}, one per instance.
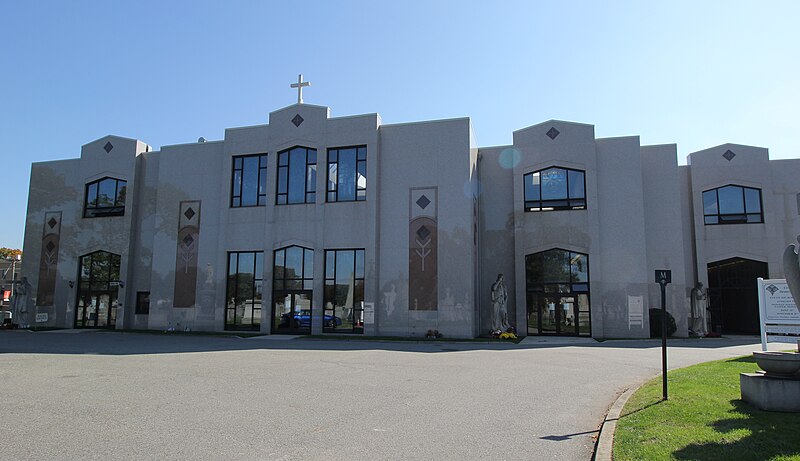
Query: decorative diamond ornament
{"type": "Point", "coordinates": [552, 133]}
{"type": "Point", "coordinates": [108, 147]}
{"type": "Point", "coordinates": [423, 233]}
{"type": "Point", "coordinates": [729, 155]}
{"type": "Point", "coordinates": [423, 202]}
{"type": "Point", "coordinates": [52, 223]}
{"type": "Point", "coordinates": [297, 120]}
{"type": "Point", "coordinates": [188, 240]}
{"type": "Point", "coordinates": [772, 289]}
{"type": "Point", "coordinates": [50, 246]}
{"type": "Point", "coordinates": [189, 213]}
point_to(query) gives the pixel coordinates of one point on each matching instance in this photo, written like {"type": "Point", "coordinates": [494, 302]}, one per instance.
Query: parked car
{"type": "Point", "coordinates": [303, 320]}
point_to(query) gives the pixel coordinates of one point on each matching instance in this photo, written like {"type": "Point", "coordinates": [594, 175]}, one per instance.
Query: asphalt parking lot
{"type": "Point", "coordinates": [108, 395]}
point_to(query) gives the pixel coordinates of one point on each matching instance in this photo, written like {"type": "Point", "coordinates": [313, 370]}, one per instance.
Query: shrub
{"type": "Point", "coordinates": [655, 323]}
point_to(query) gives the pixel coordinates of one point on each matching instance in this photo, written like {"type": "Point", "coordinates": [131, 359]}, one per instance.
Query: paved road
{"type": "Point", "coordinates": [106, 395]}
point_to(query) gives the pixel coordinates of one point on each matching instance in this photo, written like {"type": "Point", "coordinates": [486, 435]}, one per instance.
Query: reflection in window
{"type": "Point", "coordinates": [557, 285]}
{"type": "Point", "coordinates": [293, 269]}
{"type": "Point", "coordinates": [244, 290]}
{"type": "Point", "coordinates": [249, 181]}
{"type": "Point", "coordinates": [555, 189]}
{"type": "Point", "coordinates": [732, 205]}
{"type": "Point", "coordinates": [297, 176]}
{"type": "Point", "coordinates": [347, 174]}
{"type": "Point", "coordinates": [105, 197]}
{"type": "Point", "coordinates": [344, 291]}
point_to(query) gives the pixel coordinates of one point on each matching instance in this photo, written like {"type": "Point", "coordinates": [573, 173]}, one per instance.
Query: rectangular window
{"type": "Point", "coordinates": [249, 181]}
{"type": "Point", "coordinates": [732, 205]}
{"type": "Point", "coordinates": [347, 174]}
{"type": "Point", "coordinates": [105, 197]}
{"type": "Point", "coordinates": [297, 176]}
{"type": "Point", "coordinates": [244, 290]}
{"type": "Point", "coordinates": [344, 291]}
{"type": "Point", "coordinates": [555, 189]}
{"type": "Point", "coordinates": [142, 303]}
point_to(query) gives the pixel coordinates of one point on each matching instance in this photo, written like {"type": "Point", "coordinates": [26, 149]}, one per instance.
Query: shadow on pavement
{"type": "Point", "coordinates": [129, 343]}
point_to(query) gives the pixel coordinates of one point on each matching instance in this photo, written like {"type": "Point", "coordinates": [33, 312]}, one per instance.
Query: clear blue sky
{"type": "Point", "coordinates": [695, 73]}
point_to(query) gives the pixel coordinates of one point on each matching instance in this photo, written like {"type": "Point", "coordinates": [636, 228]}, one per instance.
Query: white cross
{"type": "Point", "coordinates": [299, 85]}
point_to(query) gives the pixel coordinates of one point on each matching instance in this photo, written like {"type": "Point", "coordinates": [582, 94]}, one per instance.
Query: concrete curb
{"type": "Point", "coordinates": [604, 450]}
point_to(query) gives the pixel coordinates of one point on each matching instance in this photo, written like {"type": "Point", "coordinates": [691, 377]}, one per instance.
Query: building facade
{"type": "Point", "coordinates": [313, 224]}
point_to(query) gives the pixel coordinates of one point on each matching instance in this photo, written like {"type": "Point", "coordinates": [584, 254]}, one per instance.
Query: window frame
{"type": "Point", "coordinates": [280, 283]}
{"type": "Point", "coordinates": [253, 326]}
{"type": "Point", "coordinates": [541, 205]}
{"type": "Point", "coordinates": [310, 196]}
{"type": "Point", "coordinates": [105, 211]}
{"type": "Point", "coordinates": [262, 168]}
{"type": "Point", "coordinates": [358, 312]}
{"type": "Point", "coordinates": [333, 190]}
{"type": "Point", "coordinates": [724, 219]}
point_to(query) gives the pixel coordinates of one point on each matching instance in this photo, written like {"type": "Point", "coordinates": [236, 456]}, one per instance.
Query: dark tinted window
{"type": "Point", "coordinates": [105, 197]}
{"type": "Point", "coordinates": [732, 205]}
{"type": "Point", "coordinates": [555, 189]}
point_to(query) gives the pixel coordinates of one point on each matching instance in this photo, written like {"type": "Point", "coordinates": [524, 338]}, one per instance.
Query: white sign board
{"type": "Point", "coordinates": [41, 318]}
{"type": "Point", "coordinates": [780, 318]}
{"type": "Point", "coordinates": [369, 313]}
{"type": "Point", "coordinates": [635, 311]}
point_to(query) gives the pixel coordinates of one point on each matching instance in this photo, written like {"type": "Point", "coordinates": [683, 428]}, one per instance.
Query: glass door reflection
{"type": "Point", "coordinates": [291, 312]}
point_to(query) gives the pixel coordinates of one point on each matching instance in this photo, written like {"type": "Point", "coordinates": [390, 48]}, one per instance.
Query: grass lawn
{"type": "Point", "coordinates": [704, 419]}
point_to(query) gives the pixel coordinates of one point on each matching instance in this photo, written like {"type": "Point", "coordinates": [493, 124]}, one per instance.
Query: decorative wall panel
{"type": "Point", "coordinates": [48, 262]}
{"type": "Point", "coordinates": [186, 257]}
{"type": "Point", "coordinates": [423, 232]}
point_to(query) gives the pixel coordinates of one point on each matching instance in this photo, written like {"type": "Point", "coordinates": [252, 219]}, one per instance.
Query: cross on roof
{"type": "Point", "coordinates": [299, 85]}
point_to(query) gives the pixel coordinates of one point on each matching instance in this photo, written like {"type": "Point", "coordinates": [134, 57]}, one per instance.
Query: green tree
{"type": "Point", "coordinates": [9, 253]}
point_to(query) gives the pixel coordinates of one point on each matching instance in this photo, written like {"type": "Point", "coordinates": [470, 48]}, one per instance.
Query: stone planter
{"type": "Point", "coordinates": [779, 364]}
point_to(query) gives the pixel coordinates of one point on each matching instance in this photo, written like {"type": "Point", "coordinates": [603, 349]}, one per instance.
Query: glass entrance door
{"type": "Point", "coordinates": [291, 312]}
{"type": "Point", "coordinates": [97, 310]}
{"type": "Point", "coordinates": [566, 315]}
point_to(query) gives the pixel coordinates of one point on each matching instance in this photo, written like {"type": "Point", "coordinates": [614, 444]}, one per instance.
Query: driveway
{"type": "Point", "coordinates": [108, 395]}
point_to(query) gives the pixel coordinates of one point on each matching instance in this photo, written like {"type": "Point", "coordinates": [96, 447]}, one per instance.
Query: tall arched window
{"type": "Point", "coordinates": [557, 285]}
{"type": "Point", "coordinates": [297, 176]}
{"type": "Point", "coordinates": [98, 287]}
{"type": "Point", "coordinates": [292, 290]}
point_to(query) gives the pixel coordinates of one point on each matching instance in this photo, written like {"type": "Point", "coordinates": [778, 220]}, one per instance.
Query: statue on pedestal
{"type": "Point", "coordinates": [500, 305]}
{"type": "Point", "coordinates": [791, 269]}
{"type": "Point", "coordinates": [698, 300]}
{"type": "Point", "coordinates": [20, 303]}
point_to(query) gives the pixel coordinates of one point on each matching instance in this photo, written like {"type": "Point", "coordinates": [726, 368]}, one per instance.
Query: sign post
{"type": "Point", "coordinates": [664, 277]}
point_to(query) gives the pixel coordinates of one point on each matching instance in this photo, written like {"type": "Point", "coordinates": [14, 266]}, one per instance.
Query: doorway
{"type": "Point", "coordinates": [98, 290]}
{"type": "Point", "coordinates": [557, 293]}
{"type": "Point", "coordinates": [291, 312]}
{"type": "Point", "coordinates": [733, 295]}
{"type": "Point", "coordinates": [557, 314]}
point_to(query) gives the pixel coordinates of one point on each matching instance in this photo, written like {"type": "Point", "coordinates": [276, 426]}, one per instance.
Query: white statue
{"type": "Point", "coordinates": [791, 270]}
{"type": "Point", "coordinates": [209, 275]}
{"type": "Point", "coordinates": [699, 298]}
{"type": "Point", "coordinates": [499, 304]}
{"type": "Point", "coordinates": [21, 297]}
